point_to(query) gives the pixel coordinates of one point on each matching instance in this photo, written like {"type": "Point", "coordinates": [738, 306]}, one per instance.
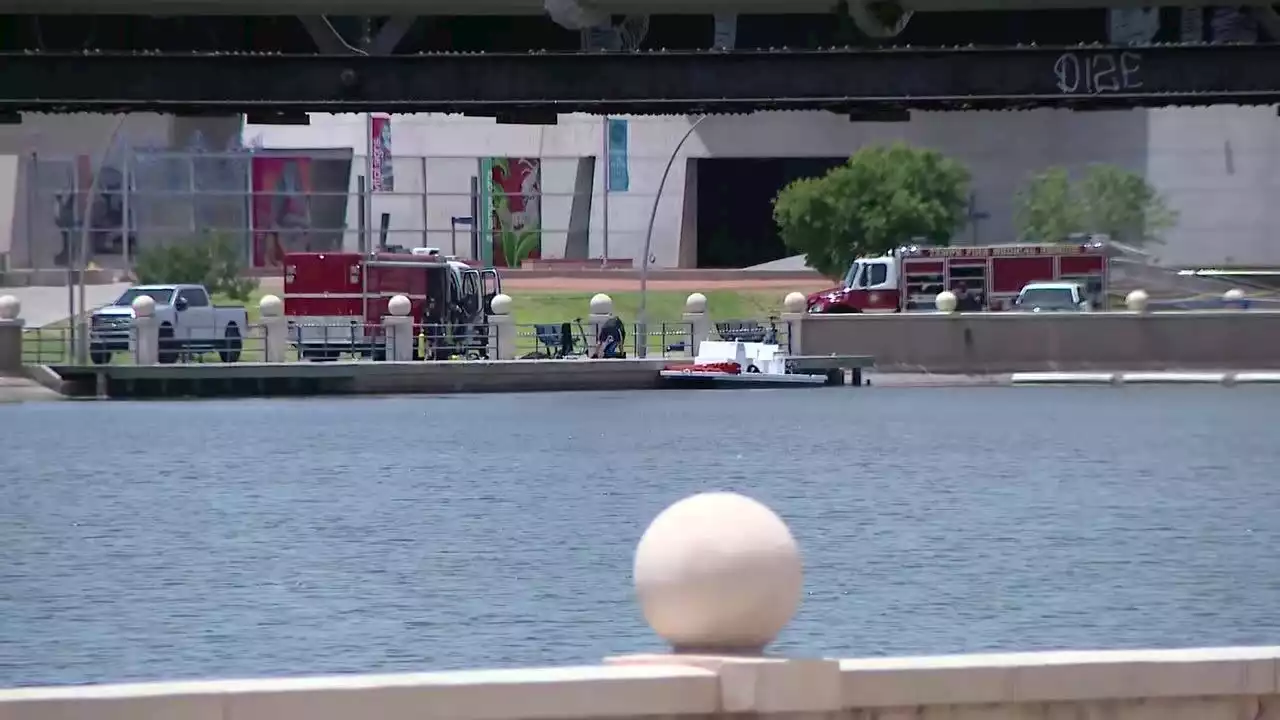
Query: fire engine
{"type": "Point", "coordinates": [335, 302]}
{"type": "Point", "coordinates": [991, 276]}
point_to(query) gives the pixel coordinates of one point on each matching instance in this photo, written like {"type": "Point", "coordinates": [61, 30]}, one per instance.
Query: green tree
{"type": "Point", "coordinates": [1106, 199]}
{"type": "Point", "coordinates": [1124, 205]}
{"type": "Point", "coordinates": [1048, 208]}
{"type": "Point", "coordinates": [883, 197]}
{"type": "Point", "coordinates": [210, 259]}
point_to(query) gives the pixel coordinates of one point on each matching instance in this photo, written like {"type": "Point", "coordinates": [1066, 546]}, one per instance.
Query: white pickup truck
{"type": "Point", "coordinates": [189, 324]}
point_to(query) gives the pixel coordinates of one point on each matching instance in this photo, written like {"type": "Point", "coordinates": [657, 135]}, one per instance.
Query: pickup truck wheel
{"type": "Point", "coordinates": [232, 344]}
{"type": "Point", "coordinates": [100, 357]}
{"type": "Point", "coordinates": [168, 345]}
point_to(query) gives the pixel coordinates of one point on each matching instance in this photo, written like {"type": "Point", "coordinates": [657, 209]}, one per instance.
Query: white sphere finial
{"type": "Point", "coordinates": [500, 305]}
{"type": "Point", "coordinates": [601, 304]}
{"type": "Point", "coordinates": [718, 572]}
{"type": "Point", "coordinates": [1136, 300]}
{"type": "Point", "coordinates": [10, 307]}
{"type": "Point", "coordinates": [143, 306]}
{"type": "Point", "coordinates": [946, 301]}
{"type": "Point", "coordinates": [270, 306]}
{"type": "Point", "coordinates": [695, 304]}
{"type": "Point", "coordinates": [1234, 295]}
{"type": "Point", "coordinates": [794, 302]}
{"type": "Point", "coordinates": [399, 306]}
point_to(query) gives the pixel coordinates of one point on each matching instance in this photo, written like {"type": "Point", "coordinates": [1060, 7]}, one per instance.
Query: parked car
{"type": "Point", "coordinates": [1052, 297]}
{"type": "Point", "coordinates": [189, 324]}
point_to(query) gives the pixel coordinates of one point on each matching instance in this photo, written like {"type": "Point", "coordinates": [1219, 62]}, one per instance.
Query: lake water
{"type": "Point", "coordinates": [166, 540]}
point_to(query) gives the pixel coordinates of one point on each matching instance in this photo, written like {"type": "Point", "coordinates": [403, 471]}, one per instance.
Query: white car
{"type": "Point", "coordinates": [189, 323]}
{"type": "Point", "coordinates": [1052, 297]}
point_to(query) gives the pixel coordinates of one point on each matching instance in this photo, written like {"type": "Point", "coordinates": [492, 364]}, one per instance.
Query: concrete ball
{"type": "Point", "coordinates": [1233, 295]}
{"type": "Point", "coordinates": [143, 306]}
{"type": "Point", "coordinates": [718, 572]}
{"type": "Point", "coordinates": [501, 304]}
{"type": "Point", "coordinates": [399, 306]}
{"type": "Point", "coordinates": [795, 302]}
{"type": "Point", "coordinates": [696, 303]}
{"type": "Point", "coordinates": [601, 304]}
{"type": "Point", "coordinates": [10, 307]}
{"type": "Point", "coordinates": [270, 306]}
{"type": "Point", "coordinates": [946, 301]}
{"type": "Point", "coordinates": [1137, 300]}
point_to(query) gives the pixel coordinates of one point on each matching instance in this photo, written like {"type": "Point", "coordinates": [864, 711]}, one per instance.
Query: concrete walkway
{"type": "Point", "coordinates": [42, 306]}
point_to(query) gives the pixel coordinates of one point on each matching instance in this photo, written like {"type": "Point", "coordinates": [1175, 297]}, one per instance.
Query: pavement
{"type": "Point", "coordinates": [43, 306]}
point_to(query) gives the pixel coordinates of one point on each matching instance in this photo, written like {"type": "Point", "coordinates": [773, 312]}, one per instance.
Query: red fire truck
{"type": "Point", "coordinates": [910, 278]}
{"type": "Point", "coordinates": [335, 302]}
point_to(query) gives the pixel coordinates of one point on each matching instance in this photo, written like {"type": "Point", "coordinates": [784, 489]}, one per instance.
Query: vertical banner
{"type": "Point", "coordinates": [384, 179]}
{"type": "Point", "coordinates": [619, 176]}
{"type": "Point", "coordinates": [516, 219]}
{"type": "Point", "coordinates": [281, 208]}
{"type": "Point", "coordinates": [484, 209]}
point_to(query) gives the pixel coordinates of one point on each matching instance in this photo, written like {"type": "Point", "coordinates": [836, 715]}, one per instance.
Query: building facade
{"type": "Point", "coordinates": [1219, 167]}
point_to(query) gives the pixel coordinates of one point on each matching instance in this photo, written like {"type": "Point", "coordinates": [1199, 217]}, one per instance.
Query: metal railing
{"type": "Point", "coordinates": [312, 200]}
{"type": "Point", "coordinates": [318, 342]}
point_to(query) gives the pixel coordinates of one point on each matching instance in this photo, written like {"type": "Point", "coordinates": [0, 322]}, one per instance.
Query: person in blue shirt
{"type": "Point", "coordinates": [610, 339]}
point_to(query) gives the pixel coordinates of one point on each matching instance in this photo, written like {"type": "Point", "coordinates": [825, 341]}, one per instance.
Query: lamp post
{"type": "Point", "coordinates": [86, 220]}
{"type": "Point", "coordinates": [643, 322]}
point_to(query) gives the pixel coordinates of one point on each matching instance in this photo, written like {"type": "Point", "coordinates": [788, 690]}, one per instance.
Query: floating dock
{"type": "Point", "coordinates": [373, 378]}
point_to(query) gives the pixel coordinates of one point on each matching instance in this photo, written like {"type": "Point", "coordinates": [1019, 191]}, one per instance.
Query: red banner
{"type": "Point", "coordinates": [384, 179]}
{"type": "Point", "coordinates": [517, 210]}
{"type": "Point", "coordinates": [282, 189]}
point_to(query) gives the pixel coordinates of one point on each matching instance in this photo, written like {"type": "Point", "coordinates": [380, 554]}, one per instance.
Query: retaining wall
{"type": "Point", "coordinates": [976, 343]}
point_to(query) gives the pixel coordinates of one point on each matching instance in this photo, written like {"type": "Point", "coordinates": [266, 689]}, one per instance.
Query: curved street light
{"type": "Point", "coordinates": [642, 323]}
{"type": "Point", "coordinates": [81, 320]}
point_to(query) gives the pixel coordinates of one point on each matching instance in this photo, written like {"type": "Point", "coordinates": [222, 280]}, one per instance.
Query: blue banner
{"type": "Point", "coordinates": [618, 177]}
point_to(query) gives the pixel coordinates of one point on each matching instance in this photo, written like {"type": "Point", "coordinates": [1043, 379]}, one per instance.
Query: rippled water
{"type": "Point", "coordinates": [150, 540]}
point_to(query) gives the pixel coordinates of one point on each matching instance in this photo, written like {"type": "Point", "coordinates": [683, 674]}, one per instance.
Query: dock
{"type": "Point", "coordinates": [362, 377]}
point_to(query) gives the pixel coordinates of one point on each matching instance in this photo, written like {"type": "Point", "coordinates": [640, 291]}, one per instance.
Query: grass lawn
{"type": "Point", "coordinates": [51, 344]}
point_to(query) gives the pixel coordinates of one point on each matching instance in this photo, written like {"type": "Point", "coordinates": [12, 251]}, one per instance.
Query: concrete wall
{"type": "Point", "coordinates": [1011, 342]}
{"type": "Point", "coordinates": [1209, 684]}
{"type": "Point", "coordinates": [1218, 167]}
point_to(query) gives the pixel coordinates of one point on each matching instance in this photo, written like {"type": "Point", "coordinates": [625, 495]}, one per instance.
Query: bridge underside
{"type": "Point", "coordinates": [522, 33]}
{"type": "Point", "coordinates": [849, 81]}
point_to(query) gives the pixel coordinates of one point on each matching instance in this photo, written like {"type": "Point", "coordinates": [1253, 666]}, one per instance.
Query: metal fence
{"type": "Point", "coordinates": [326, 343]}
{"type": "Point", "coordinates": [276, 201]}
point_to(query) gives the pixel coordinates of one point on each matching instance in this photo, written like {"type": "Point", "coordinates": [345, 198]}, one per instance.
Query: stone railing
{"type": "Point", "coordinates": [10, 335]}
{"type": "Point", "coordinates": [718, 575]}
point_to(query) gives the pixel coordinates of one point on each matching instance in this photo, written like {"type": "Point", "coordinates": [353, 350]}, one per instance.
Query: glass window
{"type": "Point", "coordinates": [162, 297]}
{"type": "Point", "coordinates": [1047, 298]}
{"type": "Point", "coordinates": [853, 275]}
{"type": "Point", "coordinates": [195, 297]}
{"type": "Point", "coordinates": [877, 274]}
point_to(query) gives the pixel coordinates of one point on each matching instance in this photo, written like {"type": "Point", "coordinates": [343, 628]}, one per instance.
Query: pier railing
{"type": "Point", "coordinates": [718, 576]}
{"type": "Point", "coordinates": [308, 341]}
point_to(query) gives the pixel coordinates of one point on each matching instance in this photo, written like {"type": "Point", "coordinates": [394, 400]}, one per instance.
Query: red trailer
{"type": "Point", "coordinates": [336, 301]}
{"type": "Point", "coordinates": [991, 276]}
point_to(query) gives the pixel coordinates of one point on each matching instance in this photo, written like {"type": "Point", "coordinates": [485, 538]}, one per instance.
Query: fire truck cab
{"type": "Point", "coordinates": [985, 278]}
{"type": "Point", "coordinates": [335, 302]}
